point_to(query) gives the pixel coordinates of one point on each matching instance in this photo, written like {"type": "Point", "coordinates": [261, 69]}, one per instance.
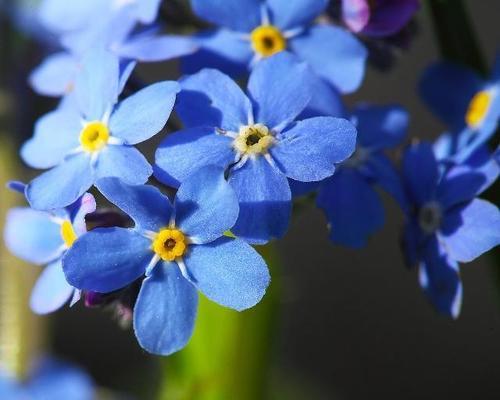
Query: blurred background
{"type": "Point", "coordinates": [350, 324]}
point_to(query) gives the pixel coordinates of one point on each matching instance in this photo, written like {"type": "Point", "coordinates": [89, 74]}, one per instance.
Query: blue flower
{"type": "Point", "coordinates": [94, 138]}
{"type": "Point", "coordinates": [180, 249]}
{"type": "Point", "coordinates": [256, 139]}
{"type": "Point", "coordinates": [447, 224]}
{"type": "Point", "coordinates": [468, 104]}
{"type": "Point", "coordinates": [43, 238]}
{"type": "Point", "coordinates": [349, 199]}
{"type": "Point", "coordinates": [254, 29]}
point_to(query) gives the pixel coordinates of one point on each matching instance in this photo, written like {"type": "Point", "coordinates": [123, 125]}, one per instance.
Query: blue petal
{"type": "Point", "coordinates": [145, 204]}
{"type": "Point", "coordinates": [55, 76]}
{"type": "Point", "coordinates": [157, 48]}
{"type": "Point", "coordinates": [352, 207]}
{"type": "Point", "coordinates": [459, 188]}
{"type": "Point", "coordinates": [447, 90]}
{"type": "Point", "coordinates": [344, 68]}
{"type": "Point", "coordinates": [97, 84]}
{"type": "Point", "coordinates": [51, 291]}
{"type": "Point", "coordinates": [438, 276]}
{"type": "Point", "coordinates": [281, 87]}
{"type": "Point", "coordinates": [56, 134]}
{"type": "Point", "coordinates": [107, 259]}
{"type": "Point", "coordinates": [265, 201]}
{"type": "Point", "coordinates": [145, 113]}
{"type": "Point", "coordinates": [147, 10]}
{"type": "Point", "coordinates": [302, 188]}
{"type": "Point", "coordinates": [165, 311]}
{"type": "Point", "coordinates": [326, 101]}
{"type": "Point", "coordinates": [295, 14]}
{"type": "Point", "coordinates": [79, 210]}
{"type": "Point", "coordinates": [380, 127]}
{"type": "Point", "coordinates": [124, 162]}
{"type": "Point", "coordinates": [62, 185]}
{"type": "Point", "coordinates": [210, 98]}
{"type": "Point", "coordinates": [229, 272]}
{"type": "Point", "coordinates": [238, 15]}
{"type": "Point", "coordinates": [60, 16]}
{"type": "Point", "coordinates": [420, 172]}
{"type": "Point", "coordinates": [471, 230]}
{"type": "Point", "coordinates": [182, 153]}
{"type": "Point", "coordinates": [33, 235]}
{"type": "Point", "coordinates": [311, 148]}
{"type": "Point", "coordinates": [205, 205]}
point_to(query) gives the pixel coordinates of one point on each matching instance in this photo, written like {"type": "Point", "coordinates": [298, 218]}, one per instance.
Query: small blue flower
{"type": "Point", "coordinates": [180, 249]}
{"type": "Point", "coordinates": [43, 238]}
{"type": "Point", "coordinates": [256, 139]}
{"type": "Point", "coordinates": [254, 29]}
{"type": "Point", "coordinates": [94, 138]}
{"type": "Point", "coordinates": [468, 104]}
{"type": "Point", "coordinates": [447, 224]}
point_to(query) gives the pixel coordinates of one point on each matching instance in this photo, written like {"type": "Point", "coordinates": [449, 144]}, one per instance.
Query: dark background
{"type": "Point", "coordinates": [354, 324]}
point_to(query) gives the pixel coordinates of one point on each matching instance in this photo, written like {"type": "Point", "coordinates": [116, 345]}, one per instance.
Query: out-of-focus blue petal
{"type": "Point", "coordinates": [145, 204]}
{"type": "Point", "coordinates": [380, 127]}
{"type": "Point", "coordinates": [294, 14]}
{"type": "Point", "coordinates": [205, 205]}
{"type": "Point", "coordinates": [97, 84]}
{"type": "Point", "coordinates": [420, 172]}
{"type": "Point", "coordinates": [439, 277]}
{"type": "Point", "coordinates": [126, 69]}
{"type": "Point", "coordinates": [229, 272]}
{"type": "Point", "coordinates": [16, 186]}
{"type": "Point", "coordinates": [157, 48]}
{"type": "Point", "coordinates": [459, 188]}
{"type": "Point", "coordinates": [62, 185]}
{"type": "Point", "coordinates": [183, 152]}
{"type": "Point", "coordinates": [447, 90]}
{"type": "Point", "coordinates": [413, 241]}
{"type": "Point", "coordinates": [210, 98]}
{"type": "Point", "coordinates": [147, 10]}
{"type": "Point", "coordinates": [107, 259]}
{"type": "Point", "coordinates": [355, 14]}
{"type": "Point", "coordinates": [51, 291]}
{"type": "Point", "coordinates": [79, 210]}
{"type": "Point", "coordinates": [56, 134]}
{"type": "Point", "coordinates": [280, 87]}
{"type": "Point", "coordinates": [471, 230]}
{"type": "Point", "coordinates": [145, 113]}
{"type": "Point", "coordinates": [55, 75]}
{"type": "Point", "coordinates": [389, 17]}
{"type": "Point", "coordinates": [165, 311]}
{"type": "Point", "coordinates": [325, 101]}
{"type": "Point", "coordinates": [352, 207]}
{"type": "Point", "coordinates": [124, 162]}
{"type": "Point", "coordinates": [62, 16]}
{"type": "Point", "coordinates": [33, 235]}
{"type": "Point", "coordinates": [265, 201]}
{"type": "Point", "coordinates": [220, 49]}
{"type": "Point", "coordinates": [344, 68]}
{"type": "Point", "coordinates": [9, 388]}
{"type": "Point", "coordinates": [238, 15]}
{"type": "Point", "coordinates": [311, 148]}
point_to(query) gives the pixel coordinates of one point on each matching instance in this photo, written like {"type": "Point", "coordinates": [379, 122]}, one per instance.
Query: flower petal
{"type": "Point", "coordinates": [390, 17]}
{"type": "Point", "coordinates": [205, 205]}
{"type": "Point", "coordinates": [295, 14]}
{"type": "Point", "coordinates": [165, 311]}
{"type": "Point", "coordinates": [55, 75]}
{"type": "Point", "coordinates": [124, 162]}
{"type": "Point", "coordinates": [157, 48]}
{"type": "Point", "coordinates": [311, 148]}
{"type": "Point", "coordinates": [238, 15]}
{"type": "Point", "coordinates": [355, 14]}
{"type": "Point", "coordinates": [107, 259]}
{"type": "Point", "coordinates": [79, 210]}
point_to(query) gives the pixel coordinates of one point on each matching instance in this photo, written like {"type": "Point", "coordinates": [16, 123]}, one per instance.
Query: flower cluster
{"type": "Point", "coordinates": [240, 159]}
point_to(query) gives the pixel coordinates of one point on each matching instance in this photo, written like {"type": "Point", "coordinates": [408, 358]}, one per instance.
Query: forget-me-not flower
{"type": "Point", "coordinates": [180, 249]}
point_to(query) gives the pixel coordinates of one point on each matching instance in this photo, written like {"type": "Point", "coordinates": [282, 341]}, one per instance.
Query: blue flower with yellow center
{"type": "Point", "coordinates": [446, 223]}
{"type": "Point", "coordinates": [180, 249]}
{"type": "Point", "coordinates": [94, 138]}
{"type": "Point", "coordinates": [255, 29]}
{"type": "Point", "coordinates": [256, 139]}
{"type": "Point", "coordinates": [41, 237]}
{"type": "Point", "coordinates": [467, 103]}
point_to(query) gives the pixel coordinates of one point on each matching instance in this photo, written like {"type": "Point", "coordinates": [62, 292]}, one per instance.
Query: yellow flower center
{"type": "Point", "coordinates": [478, 108]}
{"type": "Point", "coordinates": [68, 233]}
{"type": "Point", "coordinates": [267, 40]}
{"type": "Point", "coordinates": [169, 244]}
{"type": "Point", "coordinates": [253, 139]}
{"type": "Point", "coordinates": [94, 136]}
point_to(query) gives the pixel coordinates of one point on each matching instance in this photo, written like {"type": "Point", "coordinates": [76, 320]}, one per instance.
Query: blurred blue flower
{"type": "Point", "coordinates": [468, 104]}
{"type": "Point", "coordinates": [180, 248]}
{"type": "Point", "coordinates": [256, 139]}
{"type": "Point", "coordinates": [43, 238]}
{"type": "Point", "coordinates": [253, 29]}
{"type": "Point", "coordinates": [447, 224]}
{"type": "Point", "coordinates": [93, 136]}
